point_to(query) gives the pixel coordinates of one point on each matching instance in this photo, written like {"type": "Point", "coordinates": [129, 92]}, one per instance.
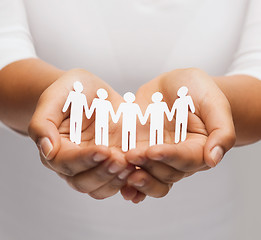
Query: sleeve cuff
{"type": "Point", "coordinates": [15, 46]}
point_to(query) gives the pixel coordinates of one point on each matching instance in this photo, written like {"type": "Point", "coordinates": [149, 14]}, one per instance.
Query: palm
{"type": "Point", "coordinates": [196, 130]}
{"type": "Point", "coordinates": [70, 156]}
{"type": "Point", "coordinates": [162, 165]}
{"type": "Point", "coordinates": [176, 160]}
{"type": "Point", "coordinates": [88, 131]}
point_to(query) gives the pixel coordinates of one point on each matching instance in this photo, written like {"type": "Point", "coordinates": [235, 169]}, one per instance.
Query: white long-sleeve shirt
{"type": "Point", "coordinates": [127, 43]}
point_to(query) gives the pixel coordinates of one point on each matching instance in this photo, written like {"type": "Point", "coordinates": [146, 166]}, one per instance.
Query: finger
{"type": "Point", "coordinates": [163, 172]}
{"type": "Point", "coordinates": [111, 188]}
{"type": "Point", "coordinates": [219, 124]}
{"type": "Point", "coordinates": [147, 184]}
{"type": "Point", "coordinates": [138, 198]}
{"type": "Point", "coordinates": [184, 157]}
{"type": "Point", "coordinates": [43, 128]}
{"type": "Point", "coordinates": [45, 134]}
{"type": "Point", "coordinates": [128, 192]}
{"type": "Point", "coordinates": [96, 177]}
{"type": "Point", "coordinates": [44, 162]}
{"type": "Point", "coordinates": [48, 116]}
{"type": "Point", "coordinates": [131, 193]}
{"type": "Point", "coordinates": [72, 159]}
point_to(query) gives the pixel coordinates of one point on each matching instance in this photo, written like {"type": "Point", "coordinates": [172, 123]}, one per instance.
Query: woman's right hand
{"type": "Point", "coordinates": [97, 170]}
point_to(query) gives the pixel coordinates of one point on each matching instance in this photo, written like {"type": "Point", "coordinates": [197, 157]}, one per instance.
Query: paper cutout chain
{"type": "Point", "coordinates": [129, 112]}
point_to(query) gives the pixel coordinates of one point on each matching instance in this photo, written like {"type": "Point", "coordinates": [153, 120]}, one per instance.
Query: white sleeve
{"type": "Point", "coordinates": [15, 38]}
{"type": "Point", "coordinates": [247, 60]}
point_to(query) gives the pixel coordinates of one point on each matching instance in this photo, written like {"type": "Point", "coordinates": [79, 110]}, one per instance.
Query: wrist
{"type": "Point", "coordinates": [243, 94]}
{"type": "Point", "coordinates": [22, 83]}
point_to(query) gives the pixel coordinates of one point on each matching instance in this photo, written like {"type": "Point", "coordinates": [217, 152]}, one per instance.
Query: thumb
{"type": "Point", "coordinates": [222, 137]}
{"type": "Point", "coordinates": [43, 128]}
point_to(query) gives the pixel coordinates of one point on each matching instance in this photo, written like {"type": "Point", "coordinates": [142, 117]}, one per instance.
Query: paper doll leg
{"type": "Point", "coordinates": [132, 139]}
{"type": "Point", "coordinates": [125, 141]}
{"type": "Point", "coordinates": [152, 137]}
{"type": "Point", "coordinates": [78, 131]}
{"type": "Point", "coordinates": [159, 136]}
{"type": "Point", "coordinates": [183, 131]}
{"type": "Point", "coordinates": [177, 132]}
{"type": "Point", "coordinates": [105, 136]}
{"type": "Point", "coordinates": [72, 130]}
{"type": "Point", "coordinates": [98, 136]}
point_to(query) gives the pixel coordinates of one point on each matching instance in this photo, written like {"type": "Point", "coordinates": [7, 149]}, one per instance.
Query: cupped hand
{"type": "Point", "coordinates": [97, 170]}
{"type": "Point", "coordinates": [210, 135]}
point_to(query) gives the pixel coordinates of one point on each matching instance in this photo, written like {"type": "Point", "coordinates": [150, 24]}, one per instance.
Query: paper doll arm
{"type": "Point", "coordinates": [168, 112]}
{"type": "Point", "coordinates": [140, 116]}
{"type": "Point", "coordinates": [113, 115]}
{"type": "Point", "coordinates": [67, 103]}
{"type": "Point", "coordinates": [85, 105]}
{"type": "Point", "coordinates": [144, 118]}
{"type": "Point", "coordinates": [191, 105]}
{"type": "Point", "coordinates": [91, 110]}
{"type": "Point", "coordinates": [172, 113]}
{"type": "Point", "coordinates": [116, 117]}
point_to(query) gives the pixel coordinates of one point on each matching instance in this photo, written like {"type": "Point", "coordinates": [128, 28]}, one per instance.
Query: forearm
{"type": "Point", "coordinates": [21, 84]}
{"type": "Point", "coordinates": [244, 95]}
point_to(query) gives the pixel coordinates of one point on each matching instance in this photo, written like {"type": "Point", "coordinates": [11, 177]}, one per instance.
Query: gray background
{"type": "Point", "coordinates": [17, 153]}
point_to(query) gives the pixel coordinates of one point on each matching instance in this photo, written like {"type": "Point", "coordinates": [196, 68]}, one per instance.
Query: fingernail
{"type": "Point", "coordinates": [98, 157]}
{"type": "Point", "coordinates": [217, 154]}
{"type": "Point", "coordinates": [157, 157]}
{"type": "Point", "coordinates": [46, 147]}
{"type": "Point", "coordinates": [114, 167]}
{"type": "Point", "coordinates": [124, 174]}
{"type": "Point", "coordinates": [140, 183]}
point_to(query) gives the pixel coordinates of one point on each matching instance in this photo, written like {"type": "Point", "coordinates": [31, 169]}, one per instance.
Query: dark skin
{"type": "Point", "coordinates": [26, 82]}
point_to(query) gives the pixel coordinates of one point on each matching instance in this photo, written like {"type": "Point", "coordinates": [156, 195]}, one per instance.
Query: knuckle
{"type": "Point", "coordinates": [102, 175]}
{"type": "Point", "coordinates": [190, 165]}
{"type": "Point", "coordinates": [76, 185]}
{"type": "Point", "coordinates": [231, 137]}
{"type": "Point", "coordinates": [88, 164]}
{"type": "Point", "coordinates": [65, 169]}
{"type": "Point", "coordinates": [116, 184]}
{"type": "Point", "coordinates": [173, 176]}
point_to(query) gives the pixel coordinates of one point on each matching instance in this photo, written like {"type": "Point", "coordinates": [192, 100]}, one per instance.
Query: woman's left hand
{"type": "Point", "coordinates": [210, 135]}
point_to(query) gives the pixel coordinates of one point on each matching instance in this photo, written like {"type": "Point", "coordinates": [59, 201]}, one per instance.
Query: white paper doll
{"type": "Point", "coordinates": [156, 112]}
{"type": "Point", "coordinates": [102, 109]}
{"type": "Point", "coordinates": [78, 101]}
{"type": "Point", "coordinates": [129, 111]}
{"type": "Point", "coordinates": [181, 106]}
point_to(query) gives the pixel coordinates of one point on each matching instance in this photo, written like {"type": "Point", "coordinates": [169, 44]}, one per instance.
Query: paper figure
{"type": "Point", "coordinates": [102, 109]}
{"type": "Point", "coordinates": [129, 111]}
{"type": "Point", "coordinates": [181, 107]}
{"type": "Point", "coordinates": [156, 112]}
{"type": "Point", "coordinates": [78, 101]}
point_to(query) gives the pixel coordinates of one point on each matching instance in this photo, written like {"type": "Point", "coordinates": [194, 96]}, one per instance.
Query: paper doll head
{"type": "Point", "coordinates": [77, 86]}
{"type": "Point", "coordinates": [102, 93]}
{"type": "Point", "coordinates": [156, 97]}
{"type": "Point", "coordinates": [182, 91]}
{"type": "Point", "coordinates": [129, 97]}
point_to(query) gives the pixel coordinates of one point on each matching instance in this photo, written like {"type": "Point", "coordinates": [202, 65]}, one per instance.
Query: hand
{"type": "Point", "coordinates": [96, 170]}
{"type": "Point", "coordinates": [210, 135]}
